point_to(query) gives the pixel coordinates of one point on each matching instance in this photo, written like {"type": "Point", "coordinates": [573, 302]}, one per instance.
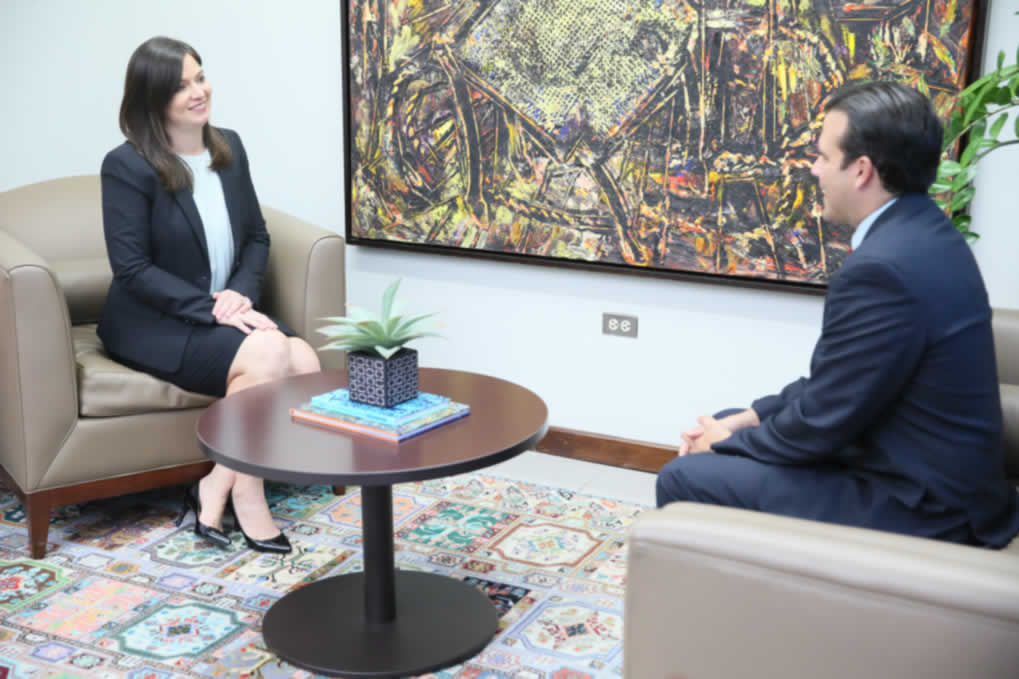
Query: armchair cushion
{"type": "Point", "coordinates": [108, 389]}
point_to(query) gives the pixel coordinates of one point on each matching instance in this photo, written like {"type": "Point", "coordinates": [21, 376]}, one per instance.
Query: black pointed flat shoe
{"type": "Point", "coordinates": [208, 533]}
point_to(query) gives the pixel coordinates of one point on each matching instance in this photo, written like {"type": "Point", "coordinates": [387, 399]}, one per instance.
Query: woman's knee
{"type": "Point", "coordinates": [303, 358]}
{"type": "Point", "coordinates": [264, 354]}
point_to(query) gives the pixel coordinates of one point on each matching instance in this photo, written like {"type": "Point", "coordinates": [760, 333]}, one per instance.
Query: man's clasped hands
{"type": "Point", "coordinates": [711, 430]}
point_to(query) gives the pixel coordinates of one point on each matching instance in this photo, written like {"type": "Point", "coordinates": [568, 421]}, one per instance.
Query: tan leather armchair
{"type": "Point", "coordinates": [720, 593]}
{"type": "Point", "coordinates": [75, 425]}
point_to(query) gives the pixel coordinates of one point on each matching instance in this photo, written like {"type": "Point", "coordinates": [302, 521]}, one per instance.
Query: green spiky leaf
{"type": "Point", "coordinates": [382, 335]}
{"type": "Point", "coordinates": [387, 299]}
{"type": "Point", "coordinates": [411, 322]}
{"type": "Point", "coordinates": [418, 335]}
{"type": "Point", "coordinates": [391, 324]}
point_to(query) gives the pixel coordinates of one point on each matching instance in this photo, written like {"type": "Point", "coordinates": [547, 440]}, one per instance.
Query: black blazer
{"type": "Point", "coordinates": [903, 387]}
{"type": "Point", "coordinates": [156, 244]}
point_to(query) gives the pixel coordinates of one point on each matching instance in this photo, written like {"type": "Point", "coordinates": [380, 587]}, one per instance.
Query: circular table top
{"type": "Point", "coordinates": [252, 432]}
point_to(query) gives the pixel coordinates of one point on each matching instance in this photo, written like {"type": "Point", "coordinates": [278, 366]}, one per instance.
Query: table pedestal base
{"type": "Point", "coordinates": [321, 627]}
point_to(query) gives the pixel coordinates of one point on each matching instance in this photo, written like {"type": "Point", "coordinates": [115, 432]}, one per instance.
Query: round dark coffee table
{"type": "Point", "coordinates": [382, 622]}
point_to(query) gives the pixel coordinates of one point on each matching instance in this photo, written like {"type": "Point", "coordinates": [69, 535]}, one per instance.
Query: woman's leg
{"type": "Point", "coordinates": [212, 493]}
{"type": "Point", "coordinates": [303, 358]}
{"type": "Point", "coordinates": [264, 355]}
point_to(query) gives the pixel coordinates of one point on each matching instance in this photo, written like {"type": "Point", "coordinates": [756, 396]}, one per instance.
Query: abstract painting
{"type": "Point", "coordinates": [661, 136]}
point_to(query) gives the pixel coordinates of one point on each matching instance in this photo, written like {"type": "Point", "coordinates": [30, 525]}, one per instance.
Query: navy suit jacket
{"type": "Point", "coordinates": [157, 249]}
{"type": "Point", "coordinates": [903, 388]}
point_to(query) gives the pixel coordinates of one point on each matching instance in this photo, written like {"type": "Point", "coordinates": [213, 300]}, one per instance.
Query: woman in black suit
{"type": "Point", "coordinates": [188, 247]}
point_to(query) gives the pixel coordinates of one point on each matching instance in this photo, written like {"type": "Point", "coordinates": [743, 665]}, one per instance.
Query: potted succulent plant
{"type": "Point", "coordinates": [381, 371]}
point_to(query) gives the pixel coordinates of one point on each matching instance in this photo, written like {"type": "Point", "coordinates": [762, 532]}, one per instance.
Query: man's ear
{"type": "Point", "coordinates": [865, 172]}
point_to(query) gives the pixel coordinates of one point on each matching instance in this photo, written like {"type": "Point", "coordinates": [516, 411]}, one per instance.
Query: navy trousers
{"type": "Point", "coordinates": [822, 492]}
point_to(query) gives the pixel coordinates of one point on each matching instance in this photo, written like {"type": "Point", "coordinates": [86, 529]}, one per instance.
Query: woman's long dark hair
{"type": "Point", "coordinates": [153, 74]}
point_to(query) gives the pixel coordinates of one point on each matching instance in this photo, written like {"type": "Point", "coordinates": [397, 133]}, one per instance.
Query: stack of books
{"type": "Point", "coordinates": [335, 410]}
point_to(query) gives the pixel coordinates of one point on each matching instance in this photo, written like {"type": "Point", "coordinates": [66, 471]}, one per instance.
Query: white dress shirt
{"type": "Point", "coordinates": [868, 221]}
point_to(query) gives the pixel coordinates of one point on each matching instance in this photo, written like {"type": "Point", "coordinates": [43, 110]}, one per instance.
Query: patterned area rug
{"type": "Point", "coordinates": [123, 593]}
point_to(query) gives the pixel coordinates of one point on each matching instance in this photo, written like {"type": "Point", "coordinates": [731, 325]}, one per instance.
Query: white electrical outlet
{"type": "Point", "coordinates": [620, 325]}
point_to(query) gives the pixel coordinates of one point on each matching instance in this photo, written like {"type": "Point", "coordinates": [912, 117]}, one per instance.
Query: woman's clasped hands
{"type": "Point", "coordinates": [234, 309]}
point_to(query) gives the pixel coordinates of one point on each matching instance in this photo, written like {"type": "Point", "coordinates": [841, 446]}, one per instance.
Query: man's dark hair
{"type": "Point", "coordinates": [897, 128]}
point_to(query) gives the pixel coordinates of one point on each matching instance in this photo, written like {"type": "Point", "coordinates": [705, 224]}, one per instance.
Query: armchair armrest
{"type": "Point", "coordinates": [721, 592]}
{"type": "Point", "coordinates": [1006, 349]}
{"type": "Point", "coordinates": [306, 278]}
{"type": "Point", "coordinates": [1006, 344]}
{"type": "Point", "coordinates": [37, 368]}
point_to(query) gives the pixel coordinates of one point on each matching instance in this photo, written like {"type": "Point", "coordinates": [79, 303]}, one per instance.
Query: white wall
{"type": "Point", "coordinates": [275, 68]}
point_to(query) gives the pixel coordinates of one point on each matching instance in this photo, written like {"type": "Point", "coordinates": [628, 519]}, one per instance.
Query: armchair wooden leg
{"type": "Point", "coordinates": [339, 490]}
{"type": "Point", "coordinates": [37, 515]}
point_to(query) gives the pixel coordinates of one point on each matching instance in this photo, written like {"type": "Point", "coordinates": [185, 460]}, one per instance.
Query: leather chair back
{"type": "Point", "coordinates": [68, 234]}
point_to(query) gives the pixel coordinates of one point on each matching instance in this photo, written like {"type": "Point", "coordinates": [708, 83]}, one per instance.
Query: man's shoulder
{"type": "Point", "coordinates": [908, 214]}
{"type": "Point", "coordinates": [910, 253]}
{"type": "Point", "coordinates": [914, 230]}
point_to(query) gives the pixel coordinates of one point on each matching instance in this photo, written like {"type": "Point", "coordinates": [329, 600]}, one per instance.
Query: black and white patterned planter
{"type": "Point", "coordinates": [382, 382]}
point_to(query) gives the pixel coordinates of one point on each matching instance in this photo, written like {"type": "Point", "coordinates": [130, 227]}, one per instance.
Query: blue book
{"type": "Point", "coordinates": [337, 402]}
{"type": "Point", "coordinates": [446, 413]}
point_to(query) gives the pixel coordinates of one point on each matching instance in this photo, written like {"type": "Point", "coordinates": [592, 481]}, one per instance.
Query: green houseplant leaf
{"type": "Point", "coordinates": [997, 125]}
{"type": "Point", "coordinates": [981, 111]}
{"type": "Point", "coordinates": [949, 168]}
{"type": "Point", "coordinates": [382, 335]}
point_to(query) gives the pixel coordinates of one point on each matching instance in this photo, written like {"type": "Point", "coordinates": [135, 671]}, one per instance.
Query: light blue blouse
{"type": "Point", "coordinates": [211, 204]}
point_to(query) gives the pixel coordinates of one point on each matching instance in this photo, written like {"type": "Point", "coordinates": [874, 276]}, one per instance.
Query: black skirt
{"type": "Point", "coordinates": [208, 355]}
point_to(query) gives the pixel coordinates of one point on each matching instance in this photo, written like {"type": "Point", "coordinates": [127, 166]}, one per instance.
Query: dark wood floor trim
{"type": "Point", "coordinates": [114, 487]}
{"type": "Point", "coordinates": [610, 450]}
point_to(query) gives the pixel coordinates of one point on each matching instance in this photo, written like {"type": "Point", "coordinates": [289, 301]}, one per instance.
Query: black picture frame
{"type": "Point", "coordinates": [450, 68]}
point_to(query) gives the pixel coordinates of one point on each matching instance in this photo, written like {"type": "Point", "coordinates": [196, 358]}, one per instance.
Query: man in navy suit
{"type": "Point", "coordinates": [898, 426]}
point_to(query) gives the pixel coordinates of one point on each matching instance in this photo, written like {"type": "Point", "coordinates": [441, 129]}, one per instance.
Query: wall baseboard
{"type": "Point", "coordinates": [610, 450]}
